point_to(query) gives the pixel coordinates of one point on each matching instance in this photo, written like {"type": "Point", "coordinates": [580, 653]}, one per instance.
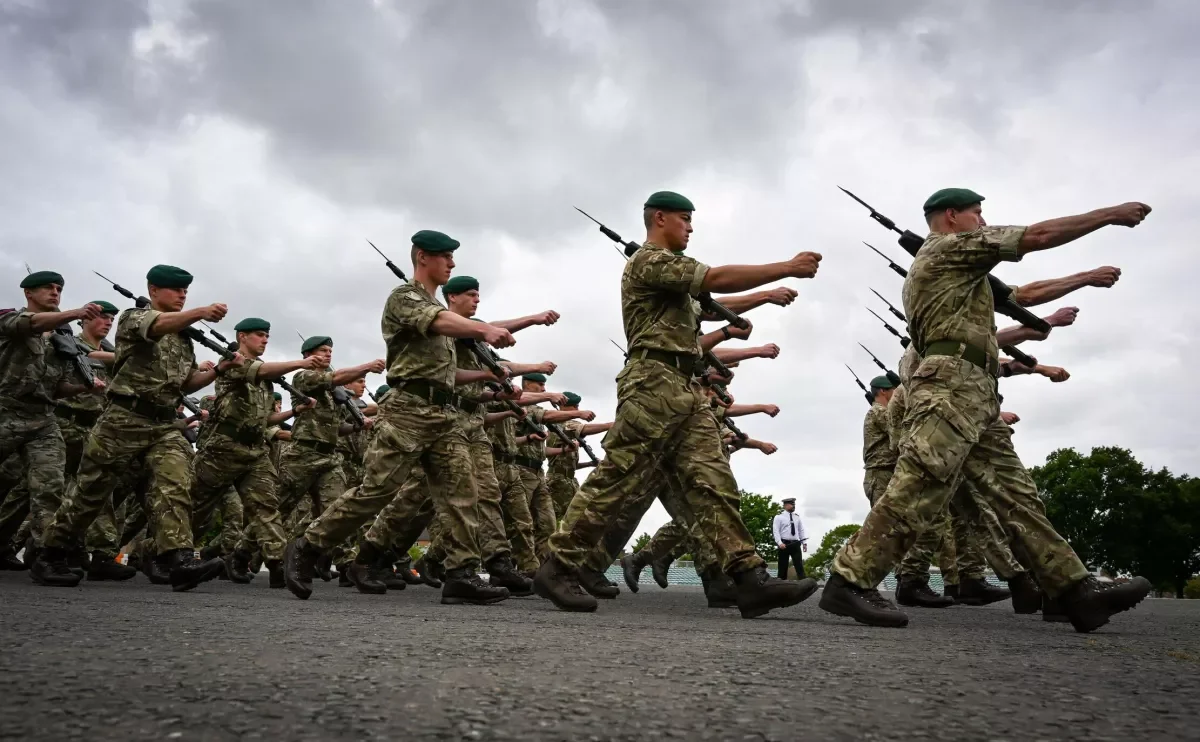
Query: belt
{"type": "Point", "coordinates": [318, 446]}
{"type": "Point", "coordinates": [430, 391]}
{"type": "Point", "coordinates": [82, 418]}
{"type": "Point", "coordinates": [684, 363]}
{"type": "Point", "coordinates": [502, 457]}
{"type": "Point", "coordinates": [245, 434]}
{"type": "Point", "coordinates": [469, 406]}
{"type": "Point", "coordinates": [522, 461]}
{"type": "Point", "coordinates": [969, 353]}
{"type": "Point", "coordinates": [139, 406]}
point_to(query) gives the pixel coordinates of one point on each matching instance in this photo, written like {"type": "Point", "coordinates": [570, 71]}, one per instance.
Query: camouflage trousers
{"type": "Point", "coordinates": [518, 520]}
{"type": "Point", "coordinates": [306, 472]}
{"type": "Point", "coordinates": [222, 465]}
{"type": "Point", "coordinates": [103, 534]}
{"type": "Point", "coordinates": [562, 490]}
{"type": "Point", "coordinates": [875, 482]}
{"type": "Point", "coordinates": [663, 424]}
{"type": "Point", "coordinates": [676, 539]}
{"type": "Point", "coordinates": [410, 433]}
{"type": "Point", "coordinates": [541, 507]}
{"type": "Point", "coordinates": [34, 438]}
{"type": "Point", "coordinates": [119, 438]}
{"type": "Point", "coordinates": [14, 503]}
{"type": "Point", "coordinates": [952, 426]}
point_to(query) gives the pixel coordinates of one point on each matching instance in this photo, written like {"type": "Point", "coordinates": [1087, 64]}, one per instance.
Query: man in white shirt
{"type": "Point", "coordinates": [790, 538]}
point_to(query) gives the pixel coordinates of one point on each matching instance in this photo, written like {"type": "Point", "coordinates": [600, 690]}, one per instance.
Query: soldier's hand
{"type": "Point", "coordinates": [771, 409]}
{"type": "Point", "coordinates": [1010, 418]}
{"type": "Point", "coordinates": [214, 312]}
{"type": "Point", "coordinates": [368, 423]}
{"type": "Point", "coordinates": [229, 363]}
{"type": "Point", "coordinates": [376, 366]}
{"type": "Point", "coordinates": [782, 296]}
{"type": "Point", "coordinates": [304, 406]}
{"type": "Point", "coordinates": [1054, 373]}
{"type": "Point", "coordinates": [1104, 277]}
{"type": "Point", "coordinates": [556, 398]}
{"type": "Point", "coordinates": [314, 363]}
{"type": "Point", "coordinates": [586, 415]}
{"type": "Point", "coordinates": [804, 265]}
{"type": "Point", "coordinates": [283, 435]}
{"type": "Point", "coordinates": [194, 424]}
{"type": "Point", "coordinates": [548, 317]}
{"type": "Point", "coordinates": [205, 366]}
{"type": "Point", "coordinates": [497, 337]}
{"type": "Point", "coordinates": [722, 402]}
{"type": "Point", "coordinates": [203, 416]}
{"type": "Point", "coordinates": [573, 445]}
{"type": "Point", "coordinates": [770, 350]}
{"type": "Point", "coordinates": [768, 448]}
{"type": "Point", "coordinates": [98, 386]}
{"type": "Point", "coordinates": [741, 333]}
{"type": "Point", "coordinates": [1128, 214]}
{"type": "Point", "coordinates": [88, 311]}
{"type": "Point", "coordinates": [1063, 317]}
{"type": "Point", "coordinates": [547, 367]}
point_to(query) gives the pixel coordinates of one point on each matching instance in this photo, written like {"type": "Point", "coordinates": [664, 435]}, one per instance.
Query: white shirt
{"type": "Point", "coordinates": [782, 528]}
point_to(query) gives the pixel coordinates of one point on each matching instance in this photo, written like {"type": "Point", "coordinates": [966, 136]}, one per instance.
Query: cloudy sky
{"type": "Point", "coordinates": [258, 144]}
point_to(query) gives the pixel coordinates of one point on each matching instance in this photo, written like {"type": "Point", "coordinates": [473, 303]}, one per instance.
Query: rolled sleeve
{"type": "Point", "coordinates": [669, 271]}
{"type": "Point", "coordinates": [252, 369]}
{"type": "Point", "coordinates": [145, 322]}
{"type": "Point", "coordinates": [313, 382]}
{"type": "Point", "coordinates": [697, 285]}
{"type": "Point", "coordinates": [422, 320]}
{"type": "Point", "coordinates": [997, 243]}
{"type": "Point", "coordinates": [17, 324]}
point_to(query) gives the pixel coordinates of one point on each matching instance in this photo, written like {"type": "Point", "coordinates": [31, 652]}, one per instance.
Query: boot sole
{"type": "Point", "coordinates": [631, 578]}
{"type": "Point", "coordinates": [193, 582]}
{"type": "Point", "coordinates": [925, 605]}
{"type": "Point", "coordinates": [515, 592]}
{"type": "Point", "coordinates": [1084, 627]}
{"type": "Point", "coordinates": [804, 595]}
{"type": "Point", "coordinates": [976, 602]}
{"type": "Point", "coordinates": [663, 583]}
{"type": "Point", "coordinates": [837, 608]}
{"type": "Point", "coordinates": [570, 607]}
{"type": "Point", "coordinates": [289, 564]}
{"type": "Point", "coordinates": [722, 604]}
{"type": "Point", "coordinates": [451, 600]}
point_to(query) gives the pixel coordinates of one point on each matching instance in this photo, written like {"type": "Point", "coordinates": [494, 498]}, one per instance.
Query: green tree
{"type": "Point", "coordinates": [758, 513]}
{"type": "Point", "coordinates": [640, 543]}
{"type": "Point", "coordinates": [818, 565]}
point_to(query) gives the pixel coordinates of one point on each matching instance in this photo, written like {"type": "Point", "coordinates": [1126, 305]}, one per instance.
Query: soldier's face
{"type": "Point", "coordinates": [255, 342]}
{"type": "Point", "coordinates": [357, 387]}
{"type": "Point", "coordinates": [44, 298]}
{"type": "Point", "coordinates": [967, 220]}
{"type": "Point", "coordinates": [677, 229]}
{"type": "Point", "coordinates": [533, 386]}
{"type": "Point", "coordinates": [99, 327]}
{"type": "Point", "coordinates": [168, 300]}
{"type": "Point", "coordinates": [438, 266]}
{"type": "Point", "coordinates": [325, 353]}
{"type": "Point", "coordinates": [465, 304]}
{"type": "Point", "coordinates": [278, 405]}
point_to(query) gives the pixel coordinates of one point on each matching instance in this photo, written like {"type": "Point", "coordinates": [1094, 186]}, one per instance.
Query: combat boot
{"type": "Point", "coordinates": [256, 562]}
{"type": "Point", "coordinates": [212, 551]}
{"type": "Point", "coordinates": [275, 579]}
{"type": "Point", "coordinates": [596, 584]}
{"type": "Point", "coordinates": [49, 567]}
{"type": "Point", "coordinates": [153, 568]}
{"type": "Point", "coordinates": [405, 570]}
{"type": "Point", "coordinates": [392, 580]}
{"type": "Point", "coordinates": [343, 571]}
{"type": "Point", "coordinates": [914, 591]}
{"type": "Point", "coordinates": [425, 572]}
{"type": "Point", "coordinates": [503, 573]}
{"type": "Point", "coordinates": [105, 567]}
{"type": "Point", "coordinates": [843, 598]}
{"type": "Point", "coordinates": [9, 561]}
{"type": "Point", "coordinates": [464, 586]}
{"type": "Point", "coordinates": [659, 569]}
{"type": "Point", "coordinates": [950, 591]}
{"type": "Point", "coordinates": [77, 561]}
{"type": "Point", "coordinates": [559, 584]}
{"type": "Point", "coordinates": [187, 571]}
{"type": "Point", "coordinates": [632, 566]}
{"type": "Point", "coordinates": [1052, 610]}
{"type": "Point", "coordinates": [972, 591]}
{"type": "Point", "coordinates": [1026, 595]}
{"type": "Point", "coordinates": [1089, 603]}
{"type": "Point", "coordinates": [366, 578]}
{"type": "Point", "coordinates": [300, 567]}
{"type": "Point", "coordinates": [237, 567]}
{"type": "Point", "coordinates": [325, 568]}
{"type": "Point", "coordinates": [718, 588]}
{"type": "Point", "coordinates": [758, 592]}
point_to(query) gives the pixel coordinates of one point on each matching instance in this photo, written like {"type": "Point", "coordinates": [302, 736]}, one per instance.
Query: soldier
{"type": "Point", "coordinates": [154, 366]}
{"type": "Point", "coordinates": [663, 419]}
{"type": "Point", "coordinates": [953, 419]}
{"type": "Point", "coordinates": [418, 426]}
{"type": "Point", "coordinates": [560, 473]}
{"type": "Point", "coordinates": [32, 376]}
{"type": "Point", "coordinates": [234, 452]}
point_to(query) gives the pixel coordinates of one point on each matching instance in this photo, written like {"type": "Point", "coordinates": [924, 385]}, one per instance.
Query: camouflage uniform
{"type": "Point", "coordinates": [14, 502]}
{"type": "Point", "coordinates": [417, 427]}
{"type": "Point", "coordinates": [138, 421]}
{"type": "Point", "coordinates": [560, 473]}
{"type": "Point", "coordinates": [952, 423]}
{"type": "Point", "coordinates": [530, 458]}
{"type": "Point", "coordinates": [879, 452]}
{"type": "Point", "coordinates": [663, 419]}
{"type": "Point", "coordinates": [352, 448]}
{"type": "Point", "coordinates": [514, 496]}
{"type": "Point", "coordinates": [234, 455]}
{"type": "Point", "coordinates": [311, 465]}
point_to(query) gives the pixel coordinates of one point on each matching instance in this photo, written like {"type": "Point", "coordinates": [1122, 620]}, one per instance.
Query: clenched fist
{"type": "Point", "coordinates": [1104, 277]}
{"type": "Point", "coordinates": [376, 366]}
{"type": "Point", "coordinates": [804, 265]}
{"type": "Point", "coordinates": [782, 296]}
{"type": "Point", "coordinates": [1128, 214]}
{"type": "Point", "coordinates": [498, 337]}
{"type": "Point", "coordinates": [214, 312]}
{"type": "Point", "coordinates": [770, 350]}
{"type": "Point", "coordinates": [1063, 317]}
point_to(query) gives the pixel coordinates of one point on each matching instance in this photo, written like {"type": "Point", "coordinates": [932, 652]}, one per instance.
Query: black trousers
{"type": "Point", "coordinates": [792, 551]}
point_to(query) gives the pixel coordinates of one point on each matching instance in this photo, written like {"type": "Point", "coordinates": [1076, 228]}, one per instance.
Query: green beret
{"type": "Point", "coordinates": [252, 324]}
{"type": "Point", "coordinates": [169, 277]}
{"type": "Point", "coordinates": [278, 397]}
{"type": "Point", "coordinates": [105, 307]}
{"type": "Point", "coordinates": [573, 399]}
{"type": "Point", "coordinates": [952, 198]}
{"type": "Point", "coordinates": [433, 241]}
{"type": "Point", "coordinates": [314, 342]}
{"type": "Point", "coordinates": [460, 285]}
{"type": "Point", "coordinates": [382, 390]}
{"type": "Point", "coordinates": [538, 378]}
{"type": "Point", "coordinates": [882, 382]}
{"type": "Point", "coordinates": [42, 278]}
{"type": "Point", "coordinates": [669, 201]}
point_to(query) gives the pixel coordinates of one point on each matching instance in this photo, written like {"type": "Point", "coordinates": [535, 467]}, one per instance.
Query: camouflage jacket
{"type": "Point", "coordinates": [504, 434]}
{"type": "Point", "coordinates": [565, 464]}
{"type": "Point", "coordinates": [153, 369]}
{"type": "Point", "coordinates": [413, 352]}
{"type": "Point", "coordinates": [878, 451]}
{"type": "Point", "coordinates": [88, 402]}
{"type": "Point", "coordinates": [896, 409]}
{"type": "Point", "coordinates": [657, 305]}
{"type": "Point", "coordinates": [243, 400]}
{"type": "Point", "coordinates": [353, 447]}
{"type": "Point", "coordinates": [29, 368]}
{"type": "Point", "coordinates": [322, 422]}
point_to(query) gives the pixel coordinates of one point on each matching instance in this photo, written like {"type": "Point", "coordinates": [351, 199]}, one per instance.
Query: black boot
{"type": "Point", "coordinates": [366, 578]}
{"type": "Point", "coordinates": [980, 592]}
{"type": "Point", "coordinates": [596, 585]}
{"type": "Point", "coordinates": [325, 568]}
{"type": "Point", "coordinates": [9, 561]}
{"type": "Point", "coordinates": [659, 569]}
{"type": "Point", "coordinates": [950, 590]}
{"type": "Point", "coordinates": [404, 568]}
{"type": "Point", "coordinates": [632, 565]}
{"type": "Point", "coordinates": [464, 586]}
{"type": "Point", "coordinates": [718, 588]}
{"type": "Point", "coordinates": [758, 592]}
{"type": "Point", "coordinates": [914, 591]}
{"type": "Point", "coordinates": [275, 574]}
{"type": "Point", "coordinates": [392, 580]}
{"type": "Point", "coordinates": [154, 568]}
{"type": "Point", "coordinates": [237, 567]}
{"type": "Point", "coordinates": [187, 571]}
{"type": "Point", "coordinates": [300, 567]}
{"type": "Point", "coordinates": [1052, 610]}
{"type": "Point", "coordinates": [1026, 595]}
{"type": "Point", "coordinates": [256, 562]}
{"type": "Point", "coordinates": [77, 561]}
{"type": "Point", "coordinates": [1089, 603]}
{"type": "Point", "coordinates": [49, 568]}
{"type": "Point", "coordinates": [212, 551]}
{"type": "Point", "coordinates": [105, 567]}
{"type": "Point", "coordinates": [559, 584]}
{"type": "Point", "coordinates": [425, 572]}
{"type": "Point", "coordinates": [843, 598]}
{"type": "Point", "coordinates": [343, 571]}
{"type": "Point", "coordinates": [503, 573]}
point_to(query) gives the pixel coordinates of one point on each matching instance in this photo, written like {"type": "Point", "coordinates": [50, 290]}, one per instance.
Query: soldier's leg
{"type": "Point", "coordinates": [665, 542]}
{"type": "Point", "coordinates": [258, 488]}
{"type": "Point", "coordinates": [44, 457]}
{"type": "Point", "coordinates": [455, 499]}
{"type": "Point", "coordinates": [541, 506]}
{"type": "Point", "coordinates": [14, 510]}
{"type": "Point", "coordinates": [919, 557]}
{"type": "Point", "coordinates": [169, 462]}
{"type": "Point", "coordinates": [562, 491]}
{"type": "Point", "coordinates": [492, 535]}
{"type": "Point", "coordinates": [102, 535]}
{"type": "Point", "coordinates": [518, 521]}
{"type": "Point", "coordinates": [622, 528]}
{"type": "Point", "coordinates": [233, 518]}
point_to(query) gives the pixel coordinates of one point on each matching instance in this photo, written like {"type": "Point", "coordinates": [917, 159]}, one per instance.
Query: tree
{"type": "Point", "coordinates": [758, 513]}
{"type": "Point", "coordinates": [819, 564]}
{"type": "Point", "coordinates": [640, 543]}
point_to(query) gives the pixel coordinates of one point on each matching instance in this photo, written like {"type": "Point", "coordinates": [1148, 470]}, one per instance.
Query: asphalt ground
{"type": "Point", "coordinates": [129, 661]}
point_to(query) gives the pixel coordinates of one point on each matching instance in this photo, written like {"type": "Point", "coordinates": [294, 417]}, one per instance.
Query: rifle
{"type": "Point", "coordinates": [63, 342]}
{"type": "Point", "coordinates": [892, 377]}
{"type": "Point", "coordinates": [191, 434]}
{"type": "Point", "coordinates": [341, 395]}
{"type": "Point", "coordinates": [1001, 295]}
{"type": "Point", "coordinates": [870, 395]}
{"type": "Point", "coordinates": [904, 339]}
{"type": "Point", "coordinates": [582, 443]}
{"type": "Point", "coordinates": [1019, 356]}
{"type": "Point", "coordinates": [735, 429]}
